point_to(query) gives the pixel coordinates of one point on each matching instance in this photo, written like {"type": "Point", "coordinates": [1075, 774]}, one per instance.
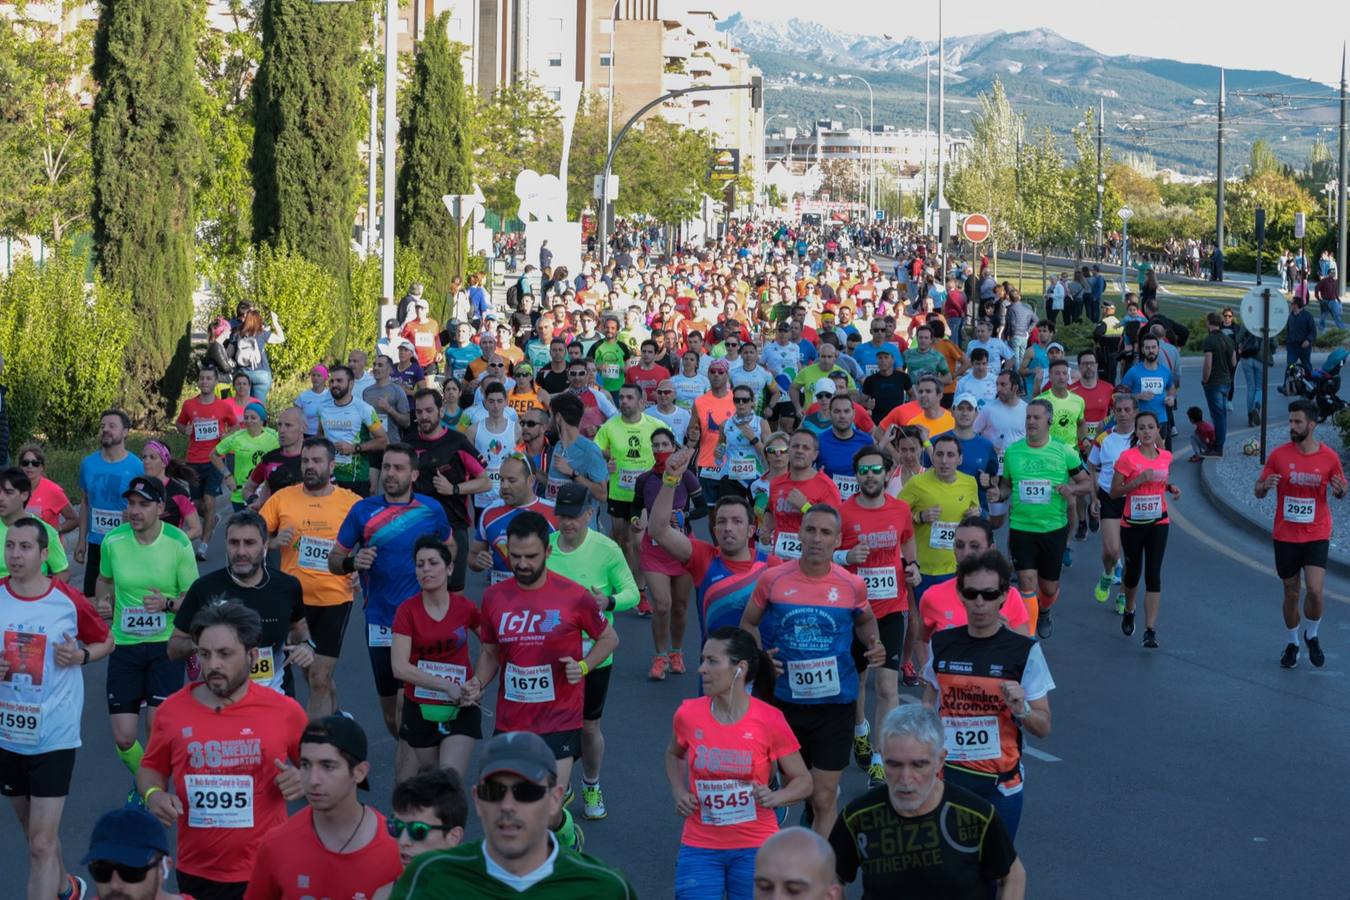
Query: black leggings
{"type": "Point", "coordinates": [1139, 542]}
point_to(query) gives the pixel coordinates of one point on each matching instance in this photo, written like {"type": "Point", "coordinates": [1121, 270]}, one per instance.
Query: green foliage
{"type": "Point", "coordinates": [518, 128]}
{"type": "Point", "coordinates": [300, 292]}
{"type": "Point", "coordinates": [61, 378]}
{"type": "Point", "coordinates": [1342, 422]}
{"type": "Point", "coordinates": [435, 145]}
{"type": "Point", "coordinates": [987, 179]}
{"type": "Point", "coordinates": [145, 159]}
{"type": "Point", "coordinates": [1281, 197]}
{"type": "Point", "coordinates": [308, 119]}
{"type": "Point", "coordinates": [363, 327]}
{"type": "Point", "coordinates": [1243, 259]}
{"type": "Point", "coordinates": [1043, 195]}
{"type": "Point", "coordinates": [1332, 338]}
{"type": "Point", "coordinates": [44, 129]}
{"type": "Point", "coordinates": [1081, 184]}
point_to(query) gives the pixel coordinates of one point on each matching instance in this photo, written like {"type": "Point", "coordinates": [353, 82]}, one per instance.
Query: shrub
{"type": "Point", "coordinates": [64, 342]}
{"type": "Point", "coordinates": [362, 326]}
{"type": "Point", "coordinates": [1331, 338]}
{"type": "Point", "coordinates": [1342, 422]}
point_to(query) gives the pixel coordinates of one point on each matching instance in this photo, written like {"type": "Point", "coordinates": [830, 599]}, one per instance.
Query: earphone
{"type": "Point", "coordinates": [164, 868]}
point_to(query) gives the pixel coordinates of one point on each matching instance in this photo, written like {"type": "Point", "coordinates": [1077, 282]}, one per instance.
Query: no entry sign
{"type": "Point", "coordinates": [975, 228]}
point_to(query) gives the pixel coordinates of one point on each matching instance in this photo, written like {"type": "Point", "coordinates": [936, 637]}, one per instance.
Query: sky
{"type": "Point", "coordinates": [1165, 29]}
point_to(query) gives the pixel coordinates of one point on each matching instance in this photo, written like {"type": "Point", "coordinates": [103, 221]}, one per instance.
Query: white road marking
{"type": "Point", "coordinates": [1039, 754]}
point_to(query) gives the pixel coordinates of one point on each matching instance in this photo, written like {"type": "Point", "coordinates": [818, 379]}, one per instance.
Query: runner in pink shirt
{"type": "Point", "coordinates": [941, 608]}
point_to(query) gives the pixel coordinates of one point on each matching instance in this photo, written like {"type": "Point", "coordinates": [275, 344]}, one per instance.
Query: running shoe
{"type": "Point", "coordinates": [1094, 523]}
{"type": "Point", "coordinates": [592, 802]}
{"type": "Point", "coordinates": [1289, 658]}
{"type": "Point", "coordinates": [676, 660]}
{"type": "Point", "coordinates": [79, 888]}
{"type": "Point", "coordinates": [1044, 625]}
{"type": "Point", "coordinates": [659, 665]}
{"type": "Point", "coordinates": [1127, 623]}
{"type": "Point", "coordinates": [1315, 654]}
{"type": "Point", "coordinates": [201, 551]}
{"type": "Point", "coordinates": [862, 750]}
{"type": "Point", "coordinates": [1150, 639]}
{"type": "Point", "coordinates": [876, 775]}
{"type": "Point", "coordinates": [1103, 588]}
{"type": "Point", "coordinates": [1080, 534]}
{"type": "Point", "coordinates": [908, 675]}
{"type": "Point", "coordinates": [1068, 557]}
{"type": "Point", "coordinates": [1120, 604]}
{"type": "Point", "coordinates": [644, 608]}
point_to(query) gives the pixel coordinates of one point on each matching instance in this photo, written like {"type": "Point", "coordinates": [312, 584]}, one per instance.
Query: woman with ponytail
{"type": "Point", "coordinates": [720, 762]}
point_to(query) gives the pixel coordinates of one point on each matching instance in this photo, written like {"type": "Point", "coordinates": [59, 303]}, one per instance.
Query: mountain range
{"type": "Point", "coordinates": [1158, 108]}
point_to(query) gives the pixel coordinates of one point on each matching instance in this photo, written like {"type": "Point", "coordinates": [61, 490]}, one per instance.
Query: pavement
{"type": "Point", "coordinates": [1200, 769]}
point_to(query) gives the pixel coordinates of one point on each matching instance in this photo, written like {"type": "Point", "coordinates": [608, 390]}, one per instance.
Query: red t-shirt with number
{"type": "Point", "coordinates": [787, 519]}
{"type": "Point", "coordinates": [209, 423]}
{"type": "Point", "coordinates": [883, 531]}
{"type": "Point", "coordinates": [647, 379]}
{"type": "Point", "coordinates": [441, 646]}
{"type": "Point", "coordinates": [533, 631]}
{"type": "Point", "coordinates": [1301, 510]}
{"type": "Point", "coordinates": [1096, 403]}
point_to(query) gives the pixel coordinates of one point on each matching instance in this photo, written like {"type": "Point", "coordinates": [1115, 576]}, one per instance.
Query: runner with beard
{"type": "Point", "coordinates": [279, 468]}
{"type": "Point", "coordinates": [104, 475]}
{"type": "Point", "coordinates": [228, 744]}
{"type": "Point", "coordinates": [275, 596]}
{"type": "Point", "coordinates": [355, 430]}
{"type": "Point", "coordinates": [1153, 385]}
{"type": "Point", "coordinates": [304, 520]}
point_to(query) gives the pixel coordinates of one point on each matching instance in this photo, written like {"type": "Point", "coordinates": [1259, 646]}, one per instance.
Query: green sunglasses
{"type": "Point", "coordinates": [877, 469]}
{"type": "Point", "coordinates": [418, 831]}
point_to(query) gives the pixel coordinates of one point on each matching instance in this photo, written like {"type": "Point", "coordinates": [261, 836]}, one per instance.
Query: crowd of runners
{"type": "Point", "coordinates": [891, 463]}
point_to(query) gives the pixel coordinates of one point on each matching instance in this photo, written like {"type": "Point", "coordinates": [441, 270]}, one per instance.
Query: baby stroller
{"type": "Point", "coordinates": [1322, 386]}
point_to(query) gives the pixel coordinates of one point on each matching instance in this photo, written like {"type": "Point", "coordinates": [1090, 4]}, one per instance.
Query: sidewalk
{"type": "Point", "coordinates": [1228, 483]}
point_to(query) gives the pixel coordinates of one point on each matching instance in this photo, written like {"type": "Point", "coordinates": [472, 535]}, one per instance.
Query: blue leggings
{"type": "Point", "coordinates": [702, 874]}
{"type": "Point", "coordinates": [1009, 806]}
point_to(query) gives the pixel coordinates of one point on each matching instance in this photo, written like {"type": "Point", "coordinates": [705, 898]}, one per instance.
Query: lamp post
{"type": "Point", "coordinates": [603, 227]}
{"type": "Point", "coordinates": [1125, 215]}
{"type": "Point", "coordinates": [860, 125]}
{"type": "Point", "coordinates": [871, 144]}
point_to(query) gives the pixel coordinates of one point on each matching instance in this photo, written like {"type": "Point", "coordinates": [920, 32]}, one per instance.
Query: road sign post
{"type": "Point", "coordinates": [975, 227]}
{"type": "Point", "coordinates": [1265, 312]}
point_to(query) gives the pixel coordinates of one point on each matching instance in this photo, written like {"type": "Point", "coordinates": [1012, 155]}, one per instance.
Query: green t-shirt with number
{"type": "Point", "coordinates": [630, 446]}
{"type": "Point", "coordinates": [248, 452]}
{"type": "Point", "coordinates": [167, 564]}
{"type": "Point", "coordinates": [609, 358]}
{"type": "Point", "coordinates": [1036, 473]}
{"type": "Point", "coordinates": [1069, 412]}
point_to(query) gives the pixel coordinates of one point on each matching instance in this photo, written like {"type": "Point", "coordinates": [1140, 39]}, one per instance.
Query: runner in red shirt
{"type": "Point", "coordinates": [1096, 395]}
{"type": "Point", "coordinates": [941, 608]}
{"type": "Point", "coordinates": [532, 629]}
{"type": "Point", "coordinates": [336, 846]}
{"type": "Point", "coordinates": [1140, 480]}
{"type": "Point", "coordinates": [647, 374]}
{"type": "Point", "coordinates": [205, 419]}
{"type": "Point", "coordinates": [802, 486]}
{"type": "Point", "coordinates": [1301, 472]}
{"type": "Point", "coordinates": [228, 743]}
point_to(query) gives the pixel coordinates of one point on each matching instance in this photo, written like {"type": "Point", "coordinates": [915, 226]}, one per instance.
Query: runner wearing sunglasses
{"type": "Point", "coordinates": [129, 856]}
{"type": "Point", "coordinates": [430, 811]}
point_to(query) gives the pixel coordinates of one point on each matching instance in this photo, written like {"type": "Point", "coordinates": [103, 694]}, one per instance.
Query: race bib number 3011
{"type": "Point", "coordinates": [810, 679]}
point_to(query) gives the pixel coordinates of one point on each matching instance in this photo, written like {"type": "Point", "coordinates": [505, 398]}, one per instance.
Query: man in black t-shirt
{"type": "Point", "coordinates": [276, 597]}
{"type": "Point", "coordinates": [917, 836]}
{"type": "Point", "coordinates": [887, 386]}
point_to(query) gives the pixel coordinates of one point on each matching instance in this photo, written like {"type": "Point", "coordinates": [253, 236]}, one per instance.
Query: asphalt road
{"type": "Point", "coordinates": [1201, 769]}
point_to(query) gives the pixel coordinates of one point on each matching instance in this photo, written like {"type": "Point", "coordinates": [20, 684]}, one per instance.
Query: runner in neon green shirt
{"type": "Point", "coordinates": [1035, 474]}
{"type": "Point", "coordinates": [626, 441]}
{"type": "Point", "coordinates": [1068, 425]}
{"type": "Point", "coordinates": [939, 498]}
{"type": "Point", "coordinates": [13, 507]}
{"type": "Point", "coordinates": [137, 563]}
{"type": "Point", "coordinates": [249, 445]}
{"type": "Point", "coordinates": [610, 355]}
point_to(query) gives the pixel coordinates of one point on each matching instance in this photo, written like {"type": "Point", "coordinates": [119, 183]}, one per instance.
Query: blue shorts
{"type": "Point", "coordinates": [927, 581]}
{"type": "Point", "coordinates": [701, 873]}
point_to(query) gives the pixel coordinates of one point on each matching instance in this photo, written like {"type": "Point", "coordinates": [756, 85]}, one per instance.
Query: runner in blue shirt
{"type": "Point", "coordinates": [979, 459]}
{"type": "Point", "coordinates": [1151, 382]}
{"type": "Point", "coordinates": [839, 443]}
{"type": "Point", "coordinates": [104, 476]}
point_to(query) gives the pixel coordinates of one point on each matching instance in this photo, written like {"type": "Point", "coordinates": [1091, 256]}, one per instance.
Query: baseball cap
{"type": "Point", "coordinates": [523, 369]}
{"type": "Point", "coordinates": [966, 398]}
{"type": "Point", "coordinates": [404, 342]}
{"type": "Point", "coordinates": [344, 734]}
{"type": "Point", "coordinates": [127, 837]}
{"type": "Point", "coordinates": [823, 386]}
{"type": "Point", "coordinates": [885, 348]}
{"type": "Point", "coordinates": [521, 753]}
{"type": "Point", "coordinates": [151, 489]}
{"type": "Point", "coordinates": [572, 500]}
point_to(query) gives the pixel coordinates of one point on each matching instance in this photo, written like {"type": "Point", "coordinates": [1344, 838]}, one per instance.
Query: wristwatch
{"type": "Point", "coordinates": [85, 662]}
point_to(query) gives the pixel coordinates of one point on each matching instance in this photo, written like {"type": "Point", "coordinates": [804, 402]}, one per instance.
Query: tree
{"type": "Point", "coordinates": [308, 117]}
{"type": "Point", "coordinates": [436, 142]}
{"type": "Point", "coordinates": [1042, 196]}
{"type": "Point", "coordinates": [986, 179]}
{"type": "Point", "coordinates": [517, 128]}
{"type": "Point", "coordinates": [1082, 184]}
{"type": "Point", "coordinates": [144, 168]}
{"type": "Point", "coordinates": [44, 129]}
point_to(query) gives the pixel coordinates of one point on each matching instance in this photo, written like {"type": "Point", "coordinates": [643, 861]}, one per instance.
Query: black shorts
{"type": "Point", "coordinates": [382, 667]}
{"type": "Point", "coordinates": [460, 575]}
{"type": "Point", "coordinates": [892, 630]}
{"type": "Point", "coordinates": [1112, 507]}
{"type": "Point", "coordinates": [359, 488]}
{"type": "Point", "coordinates": [421, 734]}
{"type": "Point", "coordinates": [141, 673]}
{"type": "Point", "coordinates": [825, 731]}
{"type": "Point", "coordinates": [623, 510]}
{"type": "Point", "coordinates": [597, 689]}
{"type": "Point", "coordinates": [93, 554]}
{"type": "Point", "coordinates": [39, 775]}
{"type": "Point", "coordinates": [564, 744]}
{"type": "Point", "coordinates": [1039, 550]}
{"type": "Point", "coordinates": [205, 889]}
{"type": "Point", "coordinates": [327, 627]}
{"type": "Point", "coordinates": [208, 483]}
{"type": "Point", "coordinates": [1292, 557]}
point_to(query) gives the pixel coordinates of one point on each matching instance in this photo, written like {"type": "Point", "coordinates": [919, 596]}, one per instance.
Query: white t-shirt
{"type": "Point", "coordinates": [689, 388]}
{"type": "Point", "coordinates": [677, 420]}
{"type": "Point", "coordinates": [1002, 424]}
{"type": "Point", "coordinates": [985, 389]}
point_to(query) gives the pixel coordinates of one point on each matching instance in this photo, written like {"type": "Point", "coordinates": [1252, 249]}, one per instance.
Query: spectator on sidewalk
{"type": "Point", "coordinates": [1217, 376]}
{"type": "Point", "coordinates": [1299, 334]}
{"type": "Point", "coordinates": [1329, 300]}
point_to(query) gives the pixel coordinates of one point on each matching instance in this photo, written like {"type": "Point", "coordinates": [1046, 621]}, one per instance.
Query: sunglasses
{"type": "Point", "coordinates": [528, 424]}
{"type": "Point", "coordinates": [30, 463]}
{"type": "Point", "coordinates": [523, 791]}
{"type": "Point", "coordinates": [418, 831]}
{"type": "Point", "coordinates": [878, 469]}
{"type": "Point", "coordinates": [744, 399]}
{"type": "Point", "coordinates": [776, 451]}
{"type": "Point", "coordinates": [102, 871]}
{"type": "Point", "coordinates": [988, 596]}
{"type": "Point", "coordinates": [665, 392]}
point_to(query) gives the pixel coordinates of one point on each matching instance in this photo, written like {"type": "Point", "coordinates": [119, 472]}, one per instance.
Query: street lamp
{"type": "Point", "coordinates": [871, 143]}
{"type": "Point", "coordinates": [1125, 215]}
{"type": "Point", "coordinates": [609, 116]}
{"type": "Point", "coordinates": [860, 125]}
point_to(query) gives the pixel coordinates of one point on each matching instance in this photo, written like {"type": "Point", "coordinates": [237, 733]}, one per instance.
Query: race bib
{"type": "Point", "coordinates": [788, 546]}
{"type": "Point", "coordinates": [725, 802]}
{"type": "Point", "coordinates": [1151, 384]}
{"type": "Point", "coordinates": [744, 468]}
{"type": "Point", "coordinates": [882, 582]}
{"type": "Point", "coordinates": [847, 484]}
{"type": "Point", "coordinates": [264, 669]}
{"type": "Point", "coordinates": [971, 738]}
{"type": "Point", "coordinates": [424, 339]}
{"type": "Point", "coordinates": [1092, 430]}
{"type": "Point", "coordinates": [19, 722]}
{"type": "Point", "coordinates": [609, 372]}
{"type": "Point", "coordinates": [497, 576]}
{"type": "Point", "coordinates": [1146, 507]}
{"type": "Point", "coordinates": [942, 535]}
{"type": "Point", "coordinates": [529, 684]}
{"type": "Point", "coordinates": [136, 620]}
{"type": "Point", "coordinates": [455, 673]}
{"type": "Point", "coordinates": [628, 479]}
{"type": "Point", "coordinates": [102, 521]}
{"type": "Point", "coordinates": [342, 459]}
{"type": "Point", "coordinates": [813, 678]}
{"type": "Point", "coordinates": [314, 553]}
{"type": "Point", "coordinates": [379, 636]}
{"type": "Point", "coordinates": [1034, 490]}
{"type": "Point", "coordinates": [219, 801]}
{"type": "Point", "coordinates": [1300, 510]}
{"type": "Point", "coordinates": [206, 429]}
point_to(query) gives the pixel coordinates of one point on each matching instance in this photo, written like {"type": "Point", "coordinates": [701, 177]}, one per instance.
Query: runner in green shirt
{"type": "Point", "coordinates": [626, 441]}
{"type": "Point", "coordinates": [596, 563]}
{"type": "Point", "coordinates": [610, 355]}
{"type": "Point", "coordinates": [1068, 425]}
{"type": "Point", "coordinates": [15, 490]}
{"type": "Point", "coordinates": [249, 445]}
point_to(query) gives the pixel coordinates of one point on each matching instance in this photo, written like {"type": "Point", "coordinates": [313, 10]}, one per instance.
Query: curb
{"type": "Point", "coordinates": [1258, 527]}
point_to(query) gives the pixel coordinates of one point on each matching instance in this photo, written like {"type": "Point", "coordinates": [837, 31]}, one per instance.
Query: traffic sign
{"type": "Point", "coordinates": [1300, 225]}
{"type": "Point", "coordinates": [1252, 306]}
{"type": "Point", "coordinates": [975, 227]}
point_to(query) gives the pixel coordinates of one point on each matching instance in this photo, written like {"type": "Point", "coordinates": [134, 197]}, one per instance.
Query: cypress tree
{"type": "Point", "coordinates": [308, 112]}
{"type": "Point", "coordinates": [434, 148]}
{"type": "Point", "coordinates": [144, 148]}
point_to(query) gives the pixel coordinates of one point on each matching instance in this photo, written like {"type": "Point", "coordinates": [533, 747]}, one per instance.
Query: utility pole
{"type": "Point", "coordinates": [1017, 188]}
{"type": "Point", "coordinates": [1101, 183]}
{"type": "Point", "coordinates": [927, 130]}
{"type": "Point", "coordinates": [368, 239]}
{"type": "Point", "coordinates": [1340, 190]}
{"type": "Point", "coordinates": [942, 96]}
{"type": "Point", "coordinates": [1219, 185]}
